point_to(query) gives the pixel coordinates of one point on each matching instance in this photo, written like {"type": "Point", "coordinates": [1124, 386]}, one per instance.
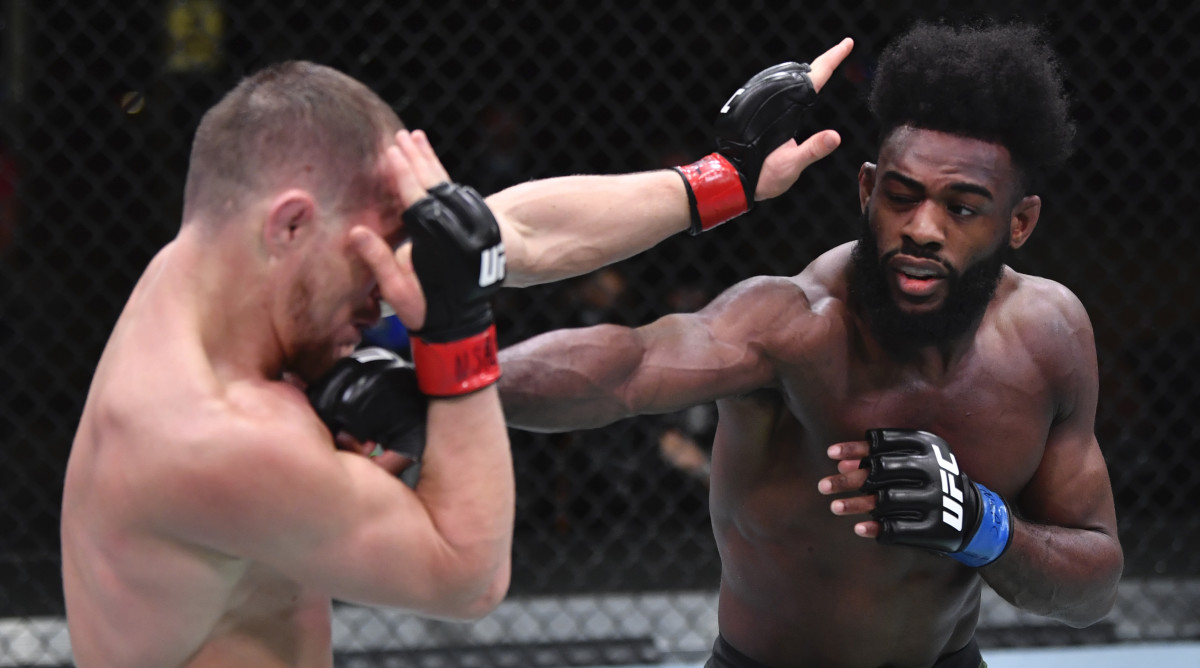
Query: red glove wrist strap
{"type": "Point", "coordinates": [456, 367]}
{"type": "Point", "coordinates": [714, 191]}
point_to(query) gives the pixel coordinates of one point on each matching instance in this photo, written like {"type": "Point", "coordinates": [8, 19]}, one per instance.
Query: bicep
{"type": "Point", "coordinates": [369, 539]}
{"type": "Point", "coordinates": [330, 520]}
{"type": "Point", "coordinates": [582, 378]}
{"type": "Point", "coordinates": [1071, 486]}
{"type": "Point", "coordinates": [690, 359]}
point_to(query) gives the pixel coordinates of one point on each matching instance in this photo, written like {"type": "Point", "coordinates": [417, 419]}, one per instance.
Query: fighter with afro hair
{"type": "Point", "coordinates": [999, 83]}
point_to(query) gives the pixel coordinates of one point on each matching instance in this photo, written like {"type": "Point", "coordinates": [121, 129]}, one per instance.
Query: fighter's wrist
{"type": "Point", "coordinates": [715, 192]}
{"type": "Point", "coordinates": [994, 533]}
{"type": "Point", "coordinates": [453, 368]}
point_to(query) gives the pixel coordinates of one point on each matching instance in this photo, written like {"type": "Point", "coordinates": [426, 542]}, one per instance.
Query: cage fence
{"type": "Point", "coordinates": [614, 559]}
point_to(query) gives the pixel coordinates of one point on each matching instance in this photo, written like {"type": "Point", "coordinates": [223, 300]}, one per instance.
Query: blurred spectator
{"type": "Point", "coordinates": [598, 297]}
{"type": "Point", "coordinates": [501, 161]}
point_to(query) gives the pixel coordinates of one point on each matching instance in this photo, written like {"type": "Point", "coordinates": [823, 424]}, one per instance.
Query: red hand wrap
{"type": "Point", "coordinates": [456, 367]}
{"type": "Point", "coordinates": [714, 191]}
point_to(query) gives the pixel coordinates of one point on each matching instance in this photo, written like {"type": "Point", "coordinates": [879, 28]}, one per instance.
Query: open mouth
{"type": "Point", "coordinates": [918, 278]}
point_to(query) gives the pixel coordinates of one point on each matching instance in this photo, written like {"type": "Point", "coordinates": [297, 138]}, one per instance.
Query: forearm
{"type": "Point", "coordinates": [1067, 574]}
{"type": "Point", "coordinates": [566, 226]}
{"type": "Point", "coordinates": [468, 488]}
{"type": "Point", "coordinates": [568, 379]}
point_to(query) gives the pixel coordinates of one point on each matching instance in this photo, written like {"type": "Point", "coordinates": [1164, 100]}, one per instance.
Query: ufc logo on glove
{"type": "Point", "coordinates": [923, 499]}
{"type": "Point", "coordinates": [952, 494]}
{"type": "Point", "coordinates": [491, 266]}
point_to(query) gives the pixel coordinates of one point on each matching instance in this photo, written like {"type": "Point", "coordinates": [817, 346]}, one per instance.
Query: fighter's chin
{"type": "Point", "coordinates": [317, 361]}
{"type": "Point", "coordinates": [917, 304]}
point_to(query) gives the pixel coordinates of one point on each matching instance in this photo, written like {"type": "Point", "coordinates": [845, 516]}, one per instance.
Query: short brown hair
{"type": "Point", "coordinates": [293, 123]}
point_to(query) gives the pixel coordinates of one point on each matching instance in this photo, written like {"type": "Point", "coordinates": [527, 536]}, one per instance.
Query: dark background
{"type": "Point", "coordinates": [99, 100]}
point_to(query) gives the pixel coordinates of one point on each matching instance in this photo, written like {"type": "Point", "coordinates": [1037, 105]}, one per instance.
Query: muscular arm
{"type": "Point", "coordinates": [272, 490]}
{"type": "Point", "coordinates": [581, 378]}
{"type": "Point", "coordinates": [561, 227]}
{"type": "Point", "coordinates": [1065, 560]}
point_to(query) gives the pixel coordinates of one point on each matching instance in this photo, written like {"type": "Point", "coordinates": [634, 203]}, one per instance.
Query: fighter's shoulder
{"type": "Point", "coordinates": [1046, 315]}
{"type": "Point", "coordinates": [810, 292]}
{"type": "Point", "coordinates": [230, 449]}
{"type": "Point", "coordinates": [1035, 300]}
{"type": "Point", "coordinates": [263, 419]}
{"type": "Point", "coordinates": [825, 278]}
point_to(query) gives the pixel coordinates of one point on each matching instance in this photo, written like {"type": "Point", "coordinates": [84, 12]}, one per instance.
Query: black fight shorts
{"type": "Point", "coordinates": [725, 656]}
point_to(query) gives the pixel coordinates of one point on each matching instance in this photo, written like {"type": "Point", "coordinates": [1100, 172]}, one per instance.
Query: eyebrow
{"type": "Point", "coordinates": [961, 186]}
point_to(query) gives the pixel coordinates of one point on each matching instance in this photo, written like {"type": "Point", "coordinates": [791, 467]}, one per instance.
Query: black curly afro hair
{"type": "Point", "coordinates": [998, 83]}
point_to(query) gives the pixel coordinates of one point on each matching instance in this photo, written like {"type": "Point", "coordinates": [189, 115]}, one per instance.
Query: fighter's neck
{"type": "Point", "coordinates": [225, 291]}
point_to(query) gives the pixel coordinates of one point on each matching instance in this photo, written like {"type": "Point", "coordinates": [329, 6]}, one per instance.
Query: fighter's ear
{"type": "Point", "coordinates": [866, 184]}
{"type": "Point", "coordinates": [1024, 218]}
{"type": "Point", "coordinates": [289, 219]}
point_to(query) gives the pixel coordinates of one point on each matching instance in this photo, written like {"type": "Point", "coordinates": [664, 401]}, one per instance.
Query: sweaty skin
{"type": "Point", "coordinates": [794, 369]}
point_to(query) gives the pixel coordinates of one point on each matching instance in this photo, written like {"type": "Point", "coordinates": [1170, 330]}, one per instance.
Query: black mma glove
{"type": "Point", "coordinates": [372, 395]}
{"type": "Point", "coordinates": [459, 260]}
{"type": "Point", "coordinates": [924, 500]}
{"type": "Point", "coordinates": [763, 114]}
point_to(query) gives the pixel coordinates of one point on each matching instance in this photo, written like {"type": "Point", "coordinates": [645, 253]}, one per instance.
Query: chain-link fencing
{"type": "Point", "coordinates": [614, 557]}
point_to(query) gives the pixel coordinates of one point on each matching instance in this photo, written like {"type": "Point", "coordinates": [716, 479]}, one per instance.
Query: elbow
{"type": "Point", "coordinates": [478, 592]}
{"type": "Point", "coordinates": [1101, 602]}
{"type": "Point", "coordinates": [1084, 616]}
{"type": "Point", "coordinates": [488, 598]}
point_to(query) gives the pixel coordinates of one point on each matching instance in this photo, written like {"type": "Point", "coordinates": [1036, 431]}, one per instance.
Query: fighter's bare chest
{"type": "Point", "coordinates": [995, 411]}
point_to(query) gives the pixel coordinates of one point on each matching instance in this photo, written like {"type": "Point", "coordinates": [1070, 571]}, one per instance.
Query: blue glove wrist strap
{"type": "Point", "coordinates": [994, 534]}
